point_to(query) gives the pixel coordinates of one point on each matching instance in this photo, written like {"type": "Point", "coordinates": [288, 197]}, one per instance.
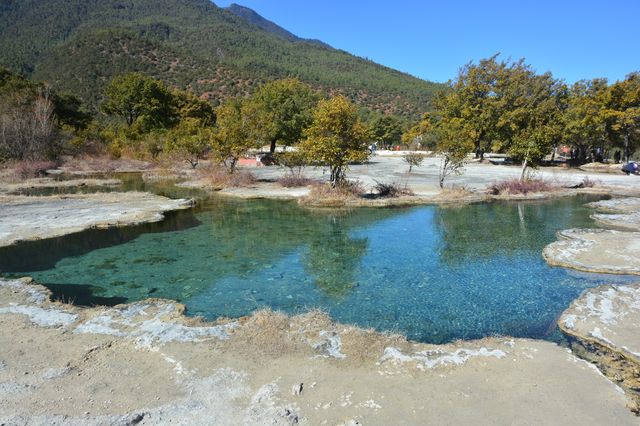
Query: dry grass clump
{"type": "Point", "coordinates": [266, 332]}
{"type": "Point", "coordinates": [586, 182]}
{"type": "Point", "coordinates": [325, 195]}
{"type": "Point", "coordinates": [521, 187]}
{"type": "Point", "coordinates": [455, 192]}
{"type": "Point", "coordinates": [33, 169]}
{"type": "Point", "coordinates": [293, 181]}
{"type": "Point", "coordinates": [104, 164]}
{"type": "Point", "coordinates": [391, 190]}
{"type": "Point", "coordinates": [220, 178]}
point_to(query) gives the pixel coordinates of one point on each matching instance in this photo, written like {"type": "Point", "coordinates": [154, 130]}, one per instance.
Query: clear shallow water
{"type": "Point", "coordinates": [433, 273]}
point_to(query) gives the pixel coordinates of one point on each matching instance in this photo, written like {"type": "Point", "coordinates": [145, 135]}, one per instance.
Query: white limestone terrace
{"type": "Point", "coordinates": [619, 212]}
{"type": "Point", "coordinates": [51, 183]}
{"type": "Point", "coordinates": [146, 363]}
{"type": "Point", "coordinates": [596, 250]}
{"type": "Point", "coordinates": [423, 180]}
{"type": "Point", "coordinates": [609, 316]}
{"type": "Point", "coordinates": [30, 218]}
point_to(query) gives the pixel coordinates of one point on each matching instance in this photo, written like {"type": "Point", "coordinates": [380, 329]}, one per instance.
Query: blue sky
{"type": "Point", "coordinates": [431, 40]}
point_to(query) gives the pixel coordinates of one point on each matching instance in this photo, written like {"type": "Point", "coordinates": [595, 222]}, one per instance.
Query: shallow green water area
{"type": "Point", "coordinates": [433, 273]}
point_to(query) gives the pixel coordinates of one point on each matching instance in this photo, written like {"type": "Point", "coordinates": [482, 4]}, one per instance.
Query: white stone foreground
{"type": "Point", "coordinates": [596, 250]}
{"type": "Point", "coordinates": [609, 316]}
{"type": "Point", "coordinates": [31, 218]}
{"type": "Point", "coordinates": [145, 363]}
{"type": "Point", "coordinates": [600, 250]}
{"type": "Point", "coordinates": [619, 212]}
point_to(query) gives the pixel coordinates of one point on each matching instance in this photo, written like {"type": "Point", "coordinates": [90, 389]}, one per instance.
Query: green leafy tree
{"type": "Point", "coordinates": [530, 109]}
{"type": "Point", "coordinates": [471, 100]}
{"type": "Point", "coordinates": [237, 127]}
{"type": "Point", "coordinates": [422, 134]}
{"type": "Point", "coordinates": [622, 111]}
{"type": "Point", "coordinates": [287, 106]}
{"type": "Point", "coordinates": [505, 107]}
{"type": "Point", "coordinates": [191, 140]}
{"type": "Point", "coordinates": [386, 130]}
{"type": "Point", "coordinates": [188, 105]}
{"type": "Point", "coordinates": [69, 111]}
{"type": "Point", "coordinates": [136, 97]}
{"type": "Point", "coordinates": [585, 120]}
{"type": "Point", "coordinates": [454, 145]}
{"type": "Point", "coordinates": [336, 138]}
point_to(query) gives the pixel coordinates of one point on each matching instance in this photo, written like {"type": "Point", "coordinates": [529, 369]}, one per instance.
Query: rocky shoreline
{"type": "Point", "coordinates": [147, 363]}
{"type": "Point", "coordinates": [24, 218]}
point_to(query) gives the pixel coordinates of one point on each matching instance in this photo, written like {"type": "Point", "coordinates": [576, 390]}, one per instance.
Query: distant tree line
{"type": "Point", "coordinates": [506, 107]}
{"type": "Point", "coordinates": [492, 106]}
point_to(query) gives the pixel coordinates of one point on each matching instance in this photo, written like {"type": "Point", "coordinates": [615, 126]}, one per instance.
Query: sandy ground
{"type": "Point", "coordinates": [147, 364]}
{"type": "Point", "coordinates": [604, 323]}
{"type": "Point", "coordinates": [29, 218]}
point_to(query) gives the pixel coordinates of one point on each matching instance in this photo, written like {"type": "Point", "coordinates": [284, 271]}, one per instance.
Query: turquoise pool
{"type": "Point", "coordinates": [433, 273]}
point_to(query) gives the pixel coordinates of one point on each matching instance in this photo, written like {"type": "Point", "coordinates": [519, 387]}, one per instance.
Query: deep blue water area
{"type": "Point", "coordinates": [433, 273]}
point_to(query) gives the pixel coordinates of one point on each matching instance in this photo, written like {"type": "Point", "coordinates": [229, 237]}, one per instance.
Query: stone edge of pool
{"type": "Point", "coordinates": [269, 367]}
{"type": "Point", "coordinates": [166, 324]}
{"type": "Point", "coordinates": [27, 218]}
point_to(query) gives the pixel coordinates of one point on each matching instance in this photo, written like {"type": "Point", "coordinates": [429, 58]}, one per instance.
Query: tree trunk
{"type": "Point", "coordinates": [524, 169]}
{"type": "Point", "coordinates": [272, 148]}
{"type": "Point", "coordinates": [627, 150]}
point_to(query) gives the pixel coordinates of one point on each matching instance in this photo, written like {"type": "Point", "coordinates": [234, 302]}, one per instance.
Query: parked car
{"type": "Point", "coordinates": [631, 168]}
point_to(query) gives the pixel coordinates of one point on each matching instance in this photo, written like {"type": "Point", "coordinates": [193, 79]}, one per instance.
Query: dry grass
{"type": "Point", "coordinates": [456, 192]}
{"type": "Point", "coordinates": [294, 181]}
{"type": "Point", "coordinates": [392, 190]}
{"type": "Point", "coordinates": [325, 195]}
{"type": "Point", "coordinates": [27, 169]}
{"type": "Point", "coordinates": [104, 164]}
{"type": "Point", "coordinates": [521, 187]}
{"type": "Point", "coordinates": [220, 178]}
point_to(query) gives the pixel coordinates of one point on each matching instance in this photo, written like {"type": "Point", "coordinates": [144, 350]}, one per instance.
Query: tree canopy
{"type": "Point", "coordinates": [336, 137]}
{"type": "Point", "coordinates": [287, 107]}
{"type": "Point", "coordinates": [135, 96]}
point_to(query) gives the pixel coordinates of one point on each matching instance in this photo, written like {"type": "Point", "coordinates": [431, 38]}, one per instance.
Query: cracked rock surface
{"type": "Point", "coordinates": [147, 363]}
{"type": "Point", "coordinates": [24, 218]}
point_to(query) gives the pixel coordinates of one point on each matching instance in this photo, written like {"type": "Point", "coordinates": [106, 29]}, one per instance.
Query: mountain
{"type": "Point", "coordinates": [79, 45]}
{"type": "Point", "coordinates": [256, 19]}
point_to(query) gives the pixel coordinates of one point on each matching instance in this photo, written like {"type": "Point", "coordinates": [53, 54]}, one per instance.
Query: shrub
{"type": "Point", "coordinates": [114, 149]}
{"type": "Point", "coordinates": [391, 190]}
{"type": "Point", "coordinates": [221, 178]}
{"type": "Point", "coordinates": [295, 161]}
{"type": "Point", "coordinates": [324, 194]}
{"type": "Point", "coordinates": [32, 169]}
{"type": "Point", "coordinates": [517, 186]}
{"type": "Point", "coordinates": [295, 181]}
{"type": "Point", "coordinates": [414, 159]}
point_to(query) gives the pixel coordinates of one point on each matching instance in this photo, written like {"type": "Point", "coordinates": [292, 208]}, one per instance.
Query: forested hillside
{"type": "Point", "coordinates": [79, 45]}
